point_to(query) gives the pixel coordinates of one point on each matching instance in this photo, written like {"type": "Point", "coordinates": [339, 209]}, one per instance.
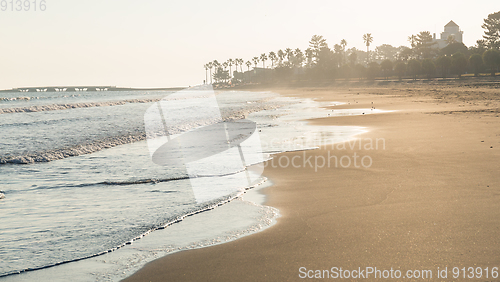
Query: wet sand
{"type": "Point", "coordinates": [431, 197]}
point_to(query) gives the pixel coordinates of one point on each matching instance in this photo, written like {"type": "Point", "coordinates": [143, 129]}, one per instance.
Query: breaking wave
{"type": "Point", "coordinates": [56, 107]}
{"type": "Point", "coordinates": [113, 141]}
{"type": "Point", "coordinates": [170, 221]}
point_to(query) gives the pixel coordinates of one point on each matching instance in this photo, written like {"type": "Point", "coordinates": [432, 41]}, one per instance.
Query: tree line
{"type": "Point", "coordinates": [320, 62]}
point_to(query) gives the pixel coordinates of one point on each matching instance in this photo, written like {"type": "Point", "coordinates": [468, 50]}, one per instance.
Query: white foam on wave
{"type": "Point", "coordinates": [81, 149]}
{"type": "Point", "coordinates": [55, 107]}
{"type": "Point", "coordinates": [184, 232]}
{"type": "Point", "coordinates": [113, 141]}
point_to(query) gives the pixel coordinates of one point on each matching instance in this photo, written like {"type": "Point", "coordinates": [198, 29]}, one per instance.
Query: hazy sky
{"type": "Point", "coordinates": [166, 43]}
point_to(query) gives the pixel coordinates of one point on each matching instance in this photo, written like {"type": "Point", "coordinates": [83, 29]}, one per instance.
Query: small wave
{"type": "Point", "coordinates": [19, 98]}
{"type": "Point", "coordinates": [52, 155]}
{"type": "Point", "coordinates": [205, 207]}
{"type": "Point", "coordinates": [135, 182]}
{"type": "Point", "coordinates": [109, 142]}
{"type": "Point", "coordinates": [56, 107]}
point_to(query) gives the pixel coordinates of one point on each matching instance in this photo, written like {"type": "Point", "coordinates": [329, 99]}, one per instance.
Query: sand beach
{"type": "Point", "coordinates": [428, 201]}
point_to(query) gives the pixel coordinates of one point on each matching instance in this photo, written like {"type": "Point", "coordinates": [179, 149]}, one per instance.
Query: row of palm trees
{"type": "Point", "coordinates": [322, 62]}
{"type": "Point", "coordinates": [285, 58]}
{"type": "Point", "coordinates": [272, 56]}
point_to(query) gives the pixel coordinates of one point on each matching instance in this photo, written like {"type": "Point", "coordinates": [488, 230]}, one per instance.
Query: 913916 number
{"type": "Point", "coordinates": [23, 5]}
{"type": "Point", "coordinates": [477, 272]}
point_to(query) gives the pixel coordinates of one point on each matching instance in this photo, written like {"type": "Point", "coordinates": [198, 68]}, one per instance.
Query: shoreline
{"type": "Point", "coordinates": [417, 207]}
{"type": "Point", "coordinates": [155, 243]}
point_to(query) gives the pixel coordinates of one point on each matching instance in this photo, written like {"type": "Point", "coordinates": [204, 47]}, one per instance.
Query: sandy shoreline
{"type": "Point", "coordinates": [429, 199]}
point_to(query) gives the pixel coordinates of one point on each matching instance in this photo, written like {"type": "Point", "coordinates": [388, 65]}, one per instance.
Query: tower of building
{"type": "Point", "coordinates": [450, 29]}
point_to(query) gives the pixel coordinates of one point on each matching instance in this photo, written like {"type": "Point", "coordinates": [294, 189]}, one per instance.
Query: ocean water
{"type": "Point", "coordinates": [81, 187]}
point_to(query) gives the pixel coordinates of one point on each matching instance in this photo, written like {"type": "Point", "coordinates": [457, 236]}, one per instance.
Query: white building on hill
{"type": "Point", "coordinates": [450, 29]}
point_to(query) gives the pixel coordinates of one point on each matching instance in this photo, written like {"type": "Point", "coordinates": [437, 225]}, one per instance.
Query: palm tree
{"type": "Point", "coordinates": [235, 64]}
{"type": "Point", "coordinates": [240, 62]}
{"type": "Point", "coordinates": [367, 38]}
{"type": "Point", "coordinates": [248, 63]}
{"type": "Point", "coordinates": [206, 73]}
{"type": "Point", "coordinates": [281, 56]}
{"type": "Point", "coordinates": [343, 43]}
{"type": "Point", "coordinates": [299, 57]}
{"type": "Point", "coordinates": [230, 63]}
{"type": "Point", "coordinates": [263, 58]}
{"type": "Point", "coordinates": [225, 65]}
{"type": "Point", "coordinates": [216, 64]}
{"type": "Point", "coordinates": [289, 54]}
{"type": "Point", "coordinates": [210, 65]}
{"type": "Point", "coordinates": [272, 57]}
{"type": "Point", "coordinates": [255, 61]}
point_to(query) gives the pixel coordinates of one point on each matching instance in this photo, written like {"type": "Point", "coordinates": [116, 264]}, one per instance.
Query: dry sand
{"type": "Point", "coordinates": [430, 199]}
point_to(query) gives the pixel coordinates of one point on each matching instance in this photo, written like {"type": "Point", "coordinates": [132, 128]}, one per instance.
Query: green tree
{"type": "Point", "coordinates": [428, 68]}
{"type": "Point", "coordinates": [225, 65]}
{"type": "Point", "coordinates": [453, 48]}
{"type": "Point", "coordinates": [206, 73]}
{"type": "Point", "coordinates": [400, 69]}
{"type": "Point", "coordinates": [337, 50]}
{"type": "Point", "coordinates": [324, 66]}
{"type": "Point", "coordinates": [491, 28]}
{"type": "Point", "coordinates": [459, 63]}
{"type": "Point", "coordinates": [210, 65]}
{"type": "Point", "coordinates": [413, 41]}
{"type": "Point", "coordinates": [281, 57]}
{"type": "Point", "coordinates": [221, 75]}
{"type": "Point", "coordinates": [476, 62]}
{"type": "Point", "coordinates": [240, 62]}
{"type": "Point", "coordinates": [298, 58]}
{"type": "Point", "coordinates": [216, 64]}
{"type": "Point", "coordinates": [346, 70]}
{"type": "Point", "coordinates": [386, 52]}
{"type": "Point", "coordinates": [230, 63]}
{"type": "Point", "coordinates": [450, 39]}
{"type": "Point", "coordinates": [343, 43]}
{"type": "Point", "coordinates": [309, 57]}
{"type": "Point", "coordinates": [236, 63]}
{"type": "Point", "coordinates": [255, 61]}
{"type": "Point", "coordinates": [386, 67]}
{"type": "Point", "coordinates": [491, 59]}
{"type": "Point", "coordinates": [373, 70]}
{"type": "Point", "coordinates": [273, 58]}
{"type": "Point", "coordinates": [353, 57]}
{"type": "Point", "coordinates": [289, 55]}
{"type": "Point", "coordinates": [316, 43]}
{"type": "Point", "coordinates": [424, 44]}
{"type": "Point", "coordinates": [414, 67]}
{"type": "Point", "coordinates": [368, 39]}
{"type": "Point", "coordinates": [360, 71]}
{"type": "Point", "coordinates": [444, 64]}
{"type": "Point", "coordinates": [263, 59]}
{"type": "Point", "coordinates": [404, 53]}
